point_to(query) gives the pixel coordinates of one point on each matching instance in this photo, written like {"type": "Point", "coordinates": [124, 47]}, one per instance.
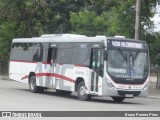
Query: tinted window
{"type": "Point", "coordinates": [16, 53]}
{"type": "Point", "coordinates": [28, 51]}
{"type": "Point", "coordinates": [81, 54]}
{"type": "Point", "coordinates": [38, 52]}
{"type": "Point", "coordinates": [65, 53]}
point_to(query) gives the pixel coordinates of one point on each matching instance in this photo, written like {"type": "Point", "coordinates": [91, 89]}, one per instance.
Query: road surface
{"type": "Point", "coordinates": [16, 96]}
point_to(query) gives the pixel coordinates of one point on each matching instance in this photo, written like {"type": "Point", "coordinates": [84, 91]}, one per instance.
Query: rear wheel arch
{"type": "Point", "coordinates": [32, 84]}
{"type": "Point", "coordinates": [30, 75]}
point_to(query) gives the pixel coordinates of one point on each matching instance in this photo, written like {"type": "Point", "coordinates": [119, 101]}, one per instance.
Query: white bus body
{"type": "Point", "coordinates": [90, 66]}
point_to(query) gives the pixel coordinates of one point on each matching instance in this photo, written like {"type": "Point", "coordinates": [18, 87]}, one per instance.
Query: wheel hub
{"type": "Point", "coordinates": [32, 84]}
{"type": "Point", "coordinates": [82, 91]}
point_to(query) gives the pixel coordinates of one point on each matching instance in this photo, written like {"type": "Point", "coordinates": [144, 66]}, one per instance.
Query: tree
{"type": "Point", "coordinates": [110, 19]}
{"type": "Point", "coordinates": [29, 18]}
{"type": "Point", "coordinates": [87, 22]}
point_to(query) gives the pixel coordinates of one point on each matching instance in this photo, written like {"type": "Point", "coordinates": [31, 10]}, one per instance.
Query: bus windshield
{"type": "Point", "coordinates": [127, 64]}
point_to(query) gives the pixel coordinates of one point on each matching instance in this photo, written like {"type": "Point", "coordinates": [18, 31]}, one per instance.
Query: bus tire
{"type": "Point", "coordinates": [63, 92]}
{"type": "Point", "coordinates": [32, 86]}
{"type": "Point", "coordinates": [118, 99]}
{"type": "Point", "coordinates": [80, 91]}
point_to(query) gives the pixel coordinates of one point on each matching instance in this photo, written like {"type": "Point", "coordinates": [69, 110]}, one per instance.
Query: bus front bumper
{"type": "Point", "coordinates": [125, 93]}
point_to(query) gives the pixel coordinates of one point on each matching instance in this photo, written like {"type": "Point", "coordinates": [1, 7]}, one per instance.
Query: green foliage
{"type": "Point", "coordinates": [29, 18]}
{"type": "Point", "coordinates": [154, 48]}
{"type": "Point", "coordinates": [123, 19]}
{"type": "Point", "coordinates": [84, 22]}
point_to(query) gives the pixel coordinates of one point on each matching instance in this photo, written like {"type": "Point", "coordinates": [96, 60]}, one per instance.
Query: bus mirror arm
{"type": "Point", "coordinates": [105, 55]}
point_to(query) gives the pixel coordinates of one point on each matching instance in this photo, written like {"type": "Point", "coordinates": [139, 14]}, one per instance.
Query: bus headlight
{"type": "Point", "coordinates": [109, 84]}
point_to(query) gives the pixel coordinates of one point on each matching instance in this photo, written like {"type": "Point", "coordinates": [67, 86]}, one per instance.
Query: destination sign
{"type": "Point", "coordinates": [127, 44]}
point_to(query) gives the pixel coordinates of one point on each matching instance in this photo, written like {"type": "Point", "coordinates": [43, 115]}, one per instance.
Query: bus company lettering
{"type": "Point", "coordinates": [127, 44]}
{"type": "Point", "coordinates": [116, 70]}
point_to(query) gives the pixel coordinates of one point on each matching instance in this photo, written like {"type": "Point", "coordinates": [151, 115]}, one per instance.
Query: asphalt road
{"type": "Point", "coordinates": [16, 96]}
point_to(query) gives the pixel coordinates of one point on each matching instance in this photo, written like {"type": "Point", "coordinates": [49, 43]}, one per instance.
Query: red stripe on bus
{"type": "Point", "coordinates": [79, 65]}
{"type": "Point", "coordinates": [51, 75]}
{"type": "Point", "coordinates": [25, 77]}
{"type": "Point", "coordinates": [55, 75]}
{"type": "Point", "coordinates": [46, 62]}
{"type": "Point", "coordinates": [28, 61]}
{"type": "Point", "coordinates": [23, 61]}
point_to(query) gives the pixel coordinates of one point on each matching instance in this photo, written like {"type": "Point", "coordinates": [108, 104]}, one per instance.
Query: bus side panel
{"type": "Point", "coordinates": [41, 71]}
{"type": "Point", "coordinates": [44, 75]}
{"type": "Point", "coordinates": [15, 72]}
{"type": "Point", "coordinates": [100, 84]}
{"type": "Point", "coordinates": [66, 76]}
{"type": "Point", "coordinates": [64, 81]}
{"type": "Point", "coordinates": [20, 71]}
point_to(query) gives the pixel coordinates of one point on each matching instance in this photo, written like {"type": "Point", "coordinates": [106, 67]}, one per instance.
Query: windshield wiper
{"type": "Point", "coordinates": [133, 56]}
{"type": "Point", "coordinates": [122, 54]}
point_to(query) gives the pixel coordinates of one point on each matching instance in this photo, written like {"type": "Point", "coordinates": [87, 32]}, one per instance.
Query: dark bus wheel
{"type": "Point", "coordinates": [118, 99]}
{"type": "Point", "coordinates": [32, 86]}
{"type": "Point", "coordinates": [81, 92]}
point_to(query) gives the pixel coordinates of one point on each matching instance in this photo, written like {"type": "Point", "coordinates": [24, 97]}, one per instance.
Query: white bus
{"type": "Point", "coordinates": [91, 66]}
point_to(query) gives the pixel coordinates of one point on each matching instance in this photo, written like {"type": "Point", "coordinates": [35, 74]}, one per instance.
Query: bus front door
{"type": "Point", "coordinates": [97, 67]}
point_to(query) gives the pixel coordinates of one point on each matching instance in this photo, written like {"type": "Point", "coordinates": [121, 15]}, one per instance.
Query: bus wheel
{"type": "Point", "coordinates": [63, 92]}
{"type": "Point", "coordinates": [118, 99]}
{"type": "Point", "coordinates": [32, 86]}
{"type": "Point", "coordinates": [81, 92]}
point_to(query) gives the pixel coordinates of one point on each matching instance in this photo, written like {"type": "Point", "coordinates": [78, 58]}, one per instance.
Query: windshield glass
{"type": "Point", "coordinates": [127, 64]}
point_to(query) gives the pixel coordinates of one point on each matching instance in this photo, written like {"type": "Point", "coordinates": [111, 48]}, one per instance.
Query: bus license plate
{"type": "Point", "coordinates": [128, 95]}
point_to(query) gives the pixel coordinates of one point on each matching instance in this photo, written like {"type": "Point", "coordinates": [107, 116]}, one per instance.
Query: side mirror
{"type": "Point", "coordinates": [105, 55]}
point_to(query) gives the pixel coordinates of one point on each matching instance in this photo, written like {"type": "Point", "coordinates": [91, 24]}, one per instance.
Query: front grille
{"type": "Point", "coordinates": [123, 93]}
{"type": "Point", "coordinates": [124, 81]}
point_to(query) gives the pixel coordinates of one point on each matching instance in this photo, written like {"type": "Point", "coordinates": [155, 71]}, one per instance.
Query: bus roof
{"type": "Point", "coordinates": [69, 38]}
{"type": "Point", "coordinates": [60, 38]}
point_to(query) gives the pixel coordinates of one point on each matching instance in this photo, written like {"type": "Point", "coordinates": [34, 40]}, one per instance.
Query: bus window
{"type": "Point", "coordinates": [81, 54]}
{"type": "Point", "coordinates": [64, 53]}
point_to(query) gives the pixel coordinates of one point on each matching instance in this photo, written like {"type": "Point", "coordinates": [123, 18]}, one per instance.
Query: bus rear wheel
{"type": "Point", "coordinates": [118, 99]}
{"type": "Point", "coordinates": [32, 86]}
{"type": "Point", "coordinates": [81, 92]}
